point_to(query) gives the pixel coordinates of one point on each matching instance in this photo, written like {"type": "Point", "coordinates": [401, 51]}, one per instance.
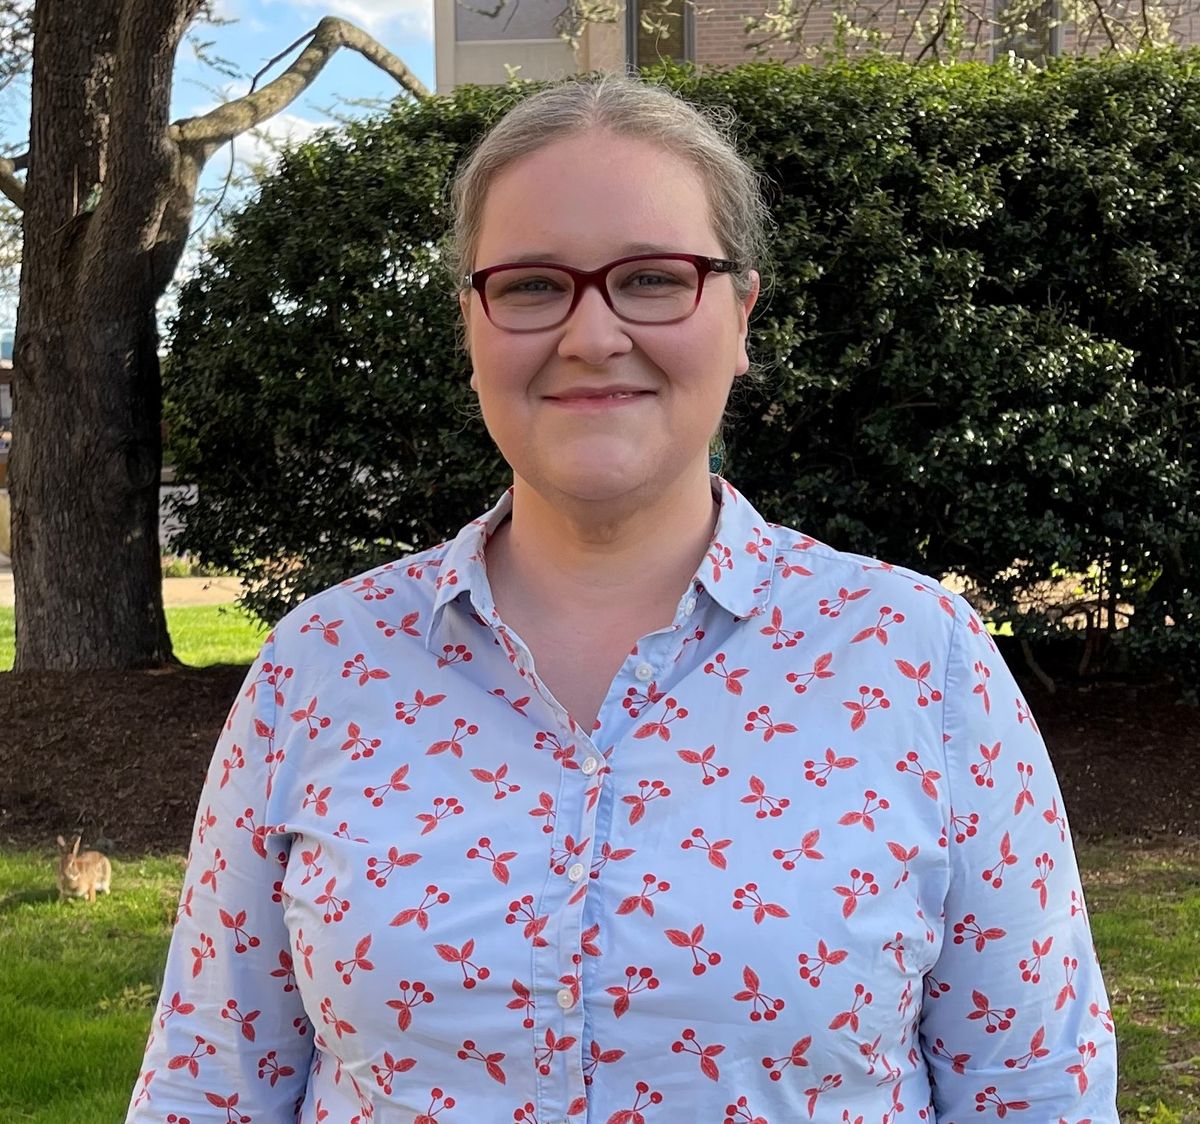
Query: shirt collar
{"type": "Point", "coordinates": [736, 570]}
{"type": "Point", "coordinates": [462, 569]}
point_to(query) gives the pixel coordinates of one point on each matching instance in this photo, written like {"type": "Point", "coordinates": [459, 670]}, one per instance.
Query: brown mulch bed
{"type": "Point", "coordinates": [121, 756]}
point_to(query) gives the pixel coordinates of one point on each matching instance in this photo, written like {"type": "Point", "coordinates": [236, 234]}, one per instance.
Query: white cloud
{"type": "Point", "coordinates": [258, 147]}
{"type": "Point", "coordinates": [282, 127]}
{"type": "Point", "coordinates": [228, 9]}
{"type": "Point", "coordinates": [377, 17]}
{"type": "Point", "coordinates": [236, 17]}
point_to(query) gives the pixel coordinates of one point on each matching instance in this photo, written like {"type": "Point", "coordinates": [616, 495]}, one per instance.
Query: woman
{"type": "Point", "coordinates": [626, 805]}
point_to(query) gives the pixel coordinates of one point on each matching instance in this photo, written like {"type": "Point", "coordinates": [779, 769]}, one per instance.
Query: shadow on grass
{"type": "Point", "coordinates": [10, 902]}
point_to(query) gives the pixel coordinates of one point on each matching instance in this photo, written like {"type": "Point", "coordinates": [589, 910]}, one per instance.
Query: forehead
{"type": "Point", "coordinates": [592, 197]}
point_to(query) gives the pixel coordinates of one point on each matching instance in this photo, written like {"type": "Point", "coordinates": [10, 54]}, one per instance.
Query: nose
{"type": "Point", "coordinates": [593, 333]}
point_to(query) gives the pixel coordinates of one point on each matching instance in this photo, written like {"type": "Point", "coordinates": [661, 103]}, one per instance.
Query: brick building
{"type": "Point", "coordinates": [482, 41]}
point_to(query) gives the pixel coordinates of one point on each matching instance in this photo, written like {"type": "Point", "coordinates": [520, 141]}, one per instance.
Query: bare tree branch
{"type": "Point", "coordinates": [780, 27]}
{"type": "Point", "coordinates": [808, 9]}
{"type": "Point", "coordinates": [492, 13]}
{"type": "Point", "coordinates": [228, 121]}
{"type": "Point", "coordinates": [1112, 39]}
{"type": "Point", "coordinates": [954, 29]}
{"type": "Point", "coordinates": [16, 39]}
{"type": "Point", "coordinates": [11, 187]}
{"type": "Point", "coordinates": [931, 43]}
{"type": "Point", "coordinates": [914, 25]}
{"type": "Point", "coordinates": [217, 204]}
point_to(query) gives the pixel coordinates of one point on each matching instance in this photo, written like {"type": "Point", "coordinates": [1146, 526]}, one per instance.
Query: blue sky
{"type": "Point", "coordinates": [259, 30]}
{"type": "Point", "coordinates": [263, 28]}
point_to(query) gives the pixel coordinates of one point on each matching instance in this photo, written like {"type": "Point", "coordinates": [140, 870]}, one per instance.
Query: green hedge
{"type": "Point", "coordinates": [980, 341]}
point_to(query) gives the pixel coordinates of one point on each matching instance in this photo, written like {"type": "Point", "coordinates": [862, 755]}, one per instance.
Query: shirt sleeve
{"type": "Point", "coordinates": [229, 1032]}
{"type": "Point", "coordinates": [1015, 1021]}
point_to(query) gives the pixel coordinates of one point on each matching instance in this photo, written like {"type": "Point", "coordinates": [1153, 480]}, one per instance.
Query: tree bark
{"type": "Point", "coordinates": [108, 201]}
{"type": "Point", "coordinates": [86, 457]}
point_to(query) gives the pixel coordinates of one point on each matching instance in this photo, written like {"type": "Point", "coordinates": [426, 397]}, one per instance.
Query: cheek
{"type": "Point", "coordinates": [700, 358]}
{"type": "Point", "coordinates": [505, 365]}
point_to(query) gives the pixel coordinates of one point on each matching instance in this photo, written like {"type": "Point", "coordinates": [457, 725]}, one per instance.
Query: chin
{"type": "Point", "coordinates": [586, 481]}
{"type": "Point", "coordinates": [608, 471]}
{"type": "Point", "coordinates": [602, 486]}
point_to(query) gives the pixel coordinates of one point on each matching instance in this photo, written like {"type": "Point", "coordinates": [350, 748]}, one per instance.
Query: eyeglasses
{"type": "Point", "coordinates": [643, 289]}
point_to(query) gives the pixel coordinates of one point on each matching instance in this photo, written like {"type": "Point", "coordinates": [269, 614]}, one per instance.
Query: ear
{"type": "Point", "coordinates": [75, 848]}
{"type": "Point", "coordinates": [744, 308]}
{"type": "Point", "coordinates": [62, 843]}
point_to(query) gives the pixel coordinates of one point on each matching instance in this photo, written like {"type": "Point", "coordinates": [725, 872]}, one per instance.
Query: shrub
{"type": "Point", "coordinates": [314, 390]}
{"type": "Point", "coordinates": [981, 336]}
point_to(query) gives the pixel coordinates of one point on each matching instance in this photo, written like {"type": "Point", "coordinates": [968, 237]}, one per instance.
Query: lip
{"type": "Point", "coordinates": [599, 397]}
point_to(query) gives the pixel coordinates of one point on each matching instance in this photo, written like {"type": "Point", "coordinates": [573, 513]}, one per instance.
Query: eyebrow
{"type": "Point", "coordinates": [628, 250]}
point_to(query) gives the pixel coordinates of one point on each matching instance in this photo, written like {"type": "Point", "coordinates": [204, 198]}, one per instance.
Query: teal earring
{"type": "Point", "coordinates": [716, 455]}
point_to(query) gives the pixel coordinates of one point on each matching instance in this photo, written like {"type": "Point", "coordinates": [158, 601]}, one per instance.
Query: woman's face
{"type": "Point", "coordinates": [547, 396]}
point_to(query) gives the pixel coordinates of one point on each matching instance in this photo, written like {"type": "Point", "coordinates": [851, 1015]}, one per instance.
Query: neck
{"type": "Point", "coordinates": [634, 558]}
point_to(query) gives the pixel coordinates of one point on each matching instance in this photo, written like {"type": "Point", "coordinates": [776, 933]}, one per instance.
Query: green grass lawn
{"type": "Point", "coordinates": [7, 638]}
{"type": "Point", "coordinates": [1145, 911]}
{"type": "Point", "coordinates": [80, 982]}
{"type": "Point", "coordinates": [202, 634]}
{"type": "Point", "coordinates": [207, 634]}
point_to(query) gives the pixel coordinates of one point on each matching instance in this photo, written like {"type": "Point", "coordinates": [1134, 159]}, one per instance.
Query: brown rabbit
{"type": "Point", "coordinates": [81, 875]}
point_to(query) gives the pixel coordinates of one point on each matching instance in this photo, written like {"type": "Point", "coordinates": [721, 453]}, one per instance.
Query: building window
{"type": "Point", "coordinates": [1028, 30]}
{"type": "Point", "coordinates": [484, 21]}
{"type": "Point", "coordinates": [670, 34]}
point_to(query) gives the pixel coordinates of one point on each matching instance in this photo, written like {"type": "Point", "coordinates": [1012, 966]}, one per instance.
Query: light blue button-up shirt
{"type": "Point", "coordinates": [811, 863]}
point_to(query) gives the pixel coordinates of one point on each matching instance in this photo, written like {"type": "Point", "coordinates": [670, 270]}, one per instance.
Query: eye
{"type": "Point", "coordinates": [531, 285]}
{"type": "Point", "coordinates": [648, 280]}
{"type": "Point", "coordinates": [655, 278]}
{"type": "Point", "coordinates": [515, 284]}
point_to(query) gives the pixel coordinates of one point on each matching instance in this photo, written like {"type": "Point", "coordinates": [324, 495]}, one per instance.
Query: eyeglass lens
{"type": "Point", "coordinates": [648, 291]}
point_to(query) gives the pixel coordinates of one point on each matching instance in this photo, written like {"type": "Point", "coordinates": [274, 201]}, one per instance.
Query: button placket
{"type": "Point", "coordinates": [559, 967]}
{"type": "Point", "coordinates": [559, 1009]}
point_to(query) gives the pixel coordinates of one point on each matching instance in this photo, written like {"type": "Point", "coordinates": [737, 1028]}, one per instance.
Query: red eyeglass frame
{"type": "Point", "coordinates": [584, 279]}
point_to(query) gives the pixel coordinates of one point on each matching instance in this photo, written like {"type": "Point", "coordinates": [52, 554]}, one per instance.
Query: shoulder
{"type": "Point", "coordinates": [393, 597]}
{"type": "Point", "coordinates": [834, 582]}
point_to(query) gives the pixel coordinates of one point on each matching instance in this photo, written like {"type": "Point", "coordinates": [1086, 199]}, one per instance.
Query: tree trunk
{"type": "Point", "coordinates": [108, 200]}
{"type": "Point", "coordinates": [86, 567]}
{"type": "Point", "coordinates": [86, 456]}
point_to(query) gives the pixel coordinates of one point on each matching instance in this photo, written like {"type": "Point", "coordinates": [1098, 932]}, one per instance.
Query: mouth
{"type": "Point", "coordinates": [599, 402]}
{"type": "Point", "coordinates": [601, 395]}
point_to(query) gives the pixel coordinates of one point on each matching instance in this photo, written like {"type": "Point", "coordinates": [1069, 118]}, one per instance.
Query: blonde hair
{"type": "Point", "coordinates": [626, 107]}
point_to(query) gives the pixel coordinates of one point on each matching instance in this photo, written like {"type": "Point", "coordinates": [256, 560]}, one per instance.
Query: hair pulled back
{"type": "Point", "coordinates": [626, 107]}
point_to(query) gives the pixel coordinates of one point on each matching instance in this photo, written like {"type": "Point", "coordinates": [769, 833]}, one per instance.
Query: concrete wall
{"type": "Point", "coordinates": [472, 47]}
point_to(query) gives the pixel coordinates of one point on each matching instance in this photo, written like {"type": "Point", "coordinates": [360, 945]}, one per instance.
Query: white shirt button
{"type": "Point", "coordinates": [565, 999]}
{"type": "Point", "coordinates": [689, 606]}
{"type": "Point", "coordinates": [575, 872]}
{"type": "Point", "coordinates": [644, 672]}
{"type": "Point", "coordinates": [589, 765]}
